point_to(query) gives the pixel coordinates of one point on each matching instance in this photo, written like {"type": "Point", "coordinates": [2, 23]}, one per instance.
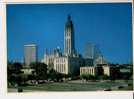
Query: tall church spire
{"type": "Point", "coordinates": [69, 44]}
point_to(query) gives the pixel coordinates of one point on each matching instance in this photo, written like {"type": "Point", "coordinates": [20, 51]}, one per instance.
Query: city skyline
{"type": "Point", "coordinates": [44, 26]}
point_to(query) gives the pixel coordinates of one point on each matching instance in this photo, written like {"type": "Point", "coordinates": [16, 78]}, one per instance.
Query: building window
{"type": "Point", "coordinates": [90, 71]}
{"type": "Point", "coordinates": [61, 68]}
{"type": "Point", "coordinates": [64, 68]}
{"type": "Point", "coordinates": [58, 68]}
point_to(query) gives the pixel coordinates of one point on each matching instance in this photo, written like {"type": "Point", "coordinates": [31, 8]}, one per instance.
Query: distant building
{"type": "Point", "coordinates": [125, 70]}
{"type": "Point", "coordinates": [30, 54]}
{"type": "Point", "coordinates": [100, 61]}
{"type": "Point", "coordinates": [49, 57]}
{"type": "Point", "coordinates": [88, 70]}
{"type": "Point", "coordinates": [111, 71]}
{"type": "Point", "coordinates": [88, 62]}
{"type": "Point", "coordinates": [89, 51]}
{"type": "Point", "coordinates": [93, 55]}
{"type": "Point", "coordinates": [28, 71]}
{"type": "Point", "coordinates": [107, 70]}
{"type": "Point", "coordinates": [91, 70]}
{"type": "Point", "coordinates": [48, 60]}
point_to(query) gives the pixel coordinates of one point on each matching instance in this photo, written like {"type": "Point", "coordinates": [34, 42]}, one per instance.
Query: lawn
{"type": "Point", "coordinates": [88, 86]}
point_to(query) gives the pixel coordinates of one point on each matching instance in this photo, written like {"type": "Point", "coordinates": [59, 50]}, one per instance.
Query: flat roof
{"type": "Point", "coordinates": [30, 45]}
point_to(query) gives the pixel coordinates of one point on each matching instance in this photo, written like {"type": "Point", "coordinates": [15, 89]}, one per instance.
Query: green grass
{"type": "Point", "coordinates": [90, 86]}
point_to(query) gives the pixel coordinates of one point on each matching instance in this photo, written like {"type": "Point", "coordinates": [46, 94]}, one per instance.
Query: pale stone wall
{"type": "Point", "coordinates": [88, 70]}
{"type": "Point", "coordinates": [27, 71]}
{"type": "Point", "coordinates": [61, 65]}
{"type": "Point", "coordinates": [106, 70]}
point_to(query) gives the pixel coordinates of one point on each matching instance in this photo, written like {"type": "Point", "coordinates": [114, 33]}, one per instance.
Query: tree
{"type": "Point", "coordinates": [40, 70]}
{"type": "Point", "coordinates": [88, 77]}
{"type": "Point", "coordinates": [55, 76]}
{"type": "Point", "coordinates": [24, 78]}
{"type": "Point", "coordinates": [14, 73]}
{"type": "Point", "coordinates": [83, 76]}
{"type": "Point", "coordinates": [59, 76]}
{"type": "Point", "coordinates": [52, 74]}
{"type": "Point", "coordinates": [103, 77]}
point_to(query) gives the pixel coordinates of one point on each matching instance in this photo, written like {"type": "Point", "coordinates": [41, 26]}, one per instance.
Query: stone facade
{"type": "Point", "coordinates": [69, 44]}
{"type": "Point", "coordinates": [88, 70]}
{"type": "Point", "coordinates": [106, 70]}
{"type": "Point", "coordinates": [61, 65]}
{"type": "Point", "coordinates": [67, 65]}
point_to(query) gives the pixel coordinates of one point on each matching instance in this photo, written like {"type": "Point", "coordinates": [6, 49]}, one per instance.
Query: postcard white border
{"type": "Point", "coordinates": [58, 95]}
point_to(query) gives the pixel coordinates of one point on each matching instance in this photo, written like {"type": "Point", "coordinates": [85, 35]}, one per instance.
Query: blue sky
{"type": "Point", "coordinates": [107, 25]}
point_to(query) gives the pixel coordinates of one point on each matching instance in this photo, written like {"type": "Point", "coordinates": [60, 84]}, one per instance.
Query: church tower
{"type": "Point", "coordinates": [69, 47]}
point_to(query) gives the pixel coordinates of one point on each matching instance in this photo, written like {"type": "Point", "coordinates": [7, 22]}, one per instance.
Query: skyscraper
{"type": "Point", "coordinates": [69, 44]}
{"type": "Point", "coordinates": [89, 51]}
{"type": "Point", "coordinates": [30, 54]}
{"type": "Point", "coordinates": [92, 51]}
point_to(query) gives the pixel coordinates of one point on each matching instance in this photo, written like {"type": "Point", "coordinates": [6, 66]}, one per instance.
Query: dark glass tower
{"type": "Point", "coordinates": [69, 44]}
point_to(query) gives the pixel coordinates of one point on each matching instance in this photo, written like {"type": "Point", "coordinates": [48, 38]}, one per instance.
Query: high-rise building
{"type": "Point", "coordinates": [69, 44]}
{"type": "Point", "coordinates": [93, 55]}
{"type": "Point", "coordinates": [89, 51]}
{"type": "Point", "coordinates": [92, 51]}
{"type": "Point", "coordinates": [30, 54]}
{"type": "Point", "coordinates": [97, 52]}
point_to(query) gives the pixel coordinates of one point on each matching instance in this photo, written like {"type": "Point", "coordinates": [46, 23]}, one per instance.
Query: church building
{"type": "Point", "coordinates": [69, 62]}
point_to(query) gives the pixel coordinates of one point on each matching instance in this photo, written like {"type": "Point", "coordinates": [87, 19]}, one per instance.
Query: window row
{"type": "Point", "coordinates": [60, 68]}
{"type": "Point", "coordinates": [89, 71]}
{"type": "Point", "coordinates": [60, 60]}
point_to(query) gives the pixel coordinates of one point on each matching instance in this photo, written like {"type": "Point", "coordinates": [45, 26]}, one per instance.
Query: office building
{"type": "Point", "coordinates": [89, 51]}
{"type": "Point", "coordinates": [30, 54]}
